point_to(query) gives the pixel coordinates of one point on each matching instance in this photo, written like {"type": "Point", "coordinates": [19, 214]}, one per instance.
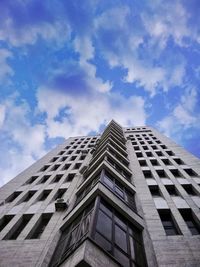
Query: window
{"type": "Point", "coordinates": [161, 173]}
{"type": "Point", "coordinates": [118, 168]}
{"type": "Point", "coordinates": [60, 193]}
{"type": "Point", "coordinates": [70, 177]}
{"type": "Point", "coordinates": [44, 168]}
{"type": "Point", "coordinates": [54, 159]}
{"type": "Point", "coordinates": [139, 155]}
{"type": "Point", "coordinates": [190, 172]}
{"type": "Point", "coordinates": [77, 166]}
{"type": "Point", "coordinates": [168, 222]}
{"type": "Point", "coordinates": [189, 189]}
{"type": "Point", "coordinates": [31, 180]}
{"type": "Point", "coordinates": [44, 195]}
{"type": "Point", "coordinates": [61, 152]}
{"type": "Point", "coordinates": [18, 227]}
{"type": "Point", "coordinates": [4, 221]}
{"type": "Point", "coordinates": [154, 162]}
{"type": "Point", "coordinates": [154, 191]}
{"type": "Point", "coordinates": [118, 189]}
{"type": "Point", "coordinates": [189, 220]}
{"type": "Point", "coordinates": [66, 167]}
{"type": "Point", "coordinates": [169, 152]}
{"type": "Point", "coordinates": [118, 237]}
{"type": "Point", "coordinates": [57, 178]}
{"type": "Point", "coordinates": [147, 174]}
{"type": "Point", "coordinates": [12, 197]}
{"type": "Point", "coordinates": [142, 162]}
{"type": "Point", "coordinates": [178, 161]}
{"type": "Point", "coordinates": [40, 226]}
{"type": "Point", "coordinates": [176, 173]}
{"type": "Point", "coordinates": [159, 153]}
{"type": "Point", "coordinates": [149, 154]}
{"type": "Point", "coordinates": [55, 167]}
{"type": "Point", "coordinates": [171, 189]}
{"type": "Point", "coordinates": [73, 235]}
{"type": "Point", "coordinates": [73, 158]}
{"type": "Point", "coordinates": [166, 162]}
{"type": "Point", "coordinates": [28, 196]}
{"type": "Point", "coordinates": [63, 158]}
{"type": "Point", "coordinates": [44, 179]}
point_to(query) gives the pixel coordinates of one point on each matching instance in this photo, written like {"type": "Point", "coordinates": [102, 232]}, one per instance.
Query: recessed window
{"type": "Point", "coordinates": [63, 158]}
{"type": "Point", "coordinates": [161, 173]}
{"type": "Point", "coordinates": [5, 221]}
{"type": "Point", "coordinates": [147, 174]}
{"type": "Point", "coordinates": [44, 179]}
{"type": "Point", "coordinates": [55, 167]}
{"type": "Point", "coordinates": [77, 166]}
{"type": "Point", "coordinates": [145, 147]}
{"type": "Point", "coordinates": [139, 154]}
{"type": "Point", "coordinates": [66, 167]}
{"type": "Point", "coordinates": [163, 146]}
{"type": "Point", "coordinates": [18, 227]}
{"type": "Point", "coordinates": [44, 168]}
{"type": "Point", "coordinates": [142, 162]}
{"type": "Point", "coordinates": [149, 154]}
{"type": "Point", "coordinates": [171, 189]}
{"type": "Point", "coordinates": [12, 197]}
{"type": "Point", "coordinates": [176, 173]}
{"type": "Point", "coordinates": [60, 193]}
{"type": "Point", "coordinates": [154, 147]}
{"type": "Point", "coordinates": [70, 177]}
{"type": "Point", "coordinates": [166, 162]}
{"type": "Point", "coordinates": [136, 148]}
{"type": "Point", "coordinates": [69, 152]}
{"type": "Point", "coordinates": [61, 152]}
{"type": "Point", "coordinates": [178, 161]}
{"type": "Point", "coordinates": [73, 158]}
{"type": "Point", "coordinates": [190, 172]}
{"type": "Point", "coordinates": [44, 195]}
{"type": "Point", "coordinates": [54, 159]}
{"type": "Point", "coordinates": [154, 189]}
{"type": "Point", "coordinates": [192, 224]}
{"type": "Point", "coordinates": [189, 189]}
{"type": "Point", "coordinates": [40, 226]}
{"type": "Point", "coordinates": [57, 178]}
{"type": "Point", "coordinates": [168, 222]}
{"type": "Point", "coordinates": [28, 196]}
{"type": "Point", "coordinates": [159, 153]}
{"type": "Point", "coordinates": [154, 162]}
{"type": "Point", "coordinates": [169, 152]}
{"type": "Point", "coordinates": [31, 180]}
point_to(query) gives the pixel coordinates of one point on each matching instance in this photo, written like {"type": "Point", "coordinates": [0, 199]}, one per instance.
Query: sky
{"type": "Point", "coordinates": [68, 67]}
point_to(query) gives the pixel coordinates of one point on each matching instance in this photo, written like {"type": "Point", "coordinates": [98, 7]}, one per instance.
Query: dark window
{"type": "Point", "coordinates": [60, 193]}
{"type": "Point", "coordinates": [18, 227]}
{"type": "Point", "coordinates": [142, 162]}
{"type": "Point", "coordinates": [70, 152]}
{"type": "Point", "coordinates": [190, 172]}
{"type": "Point", "coordinates": [189, 220]}
{"type": "Point", "coordinates": [166, 162]}
{"type": "Point", "coordinates": [154, 191]}
{"type": "Point", "coordinates": [189, 189]}
{"type": "Point", "coordinates": [77, 166]}
{"type": "Point", "coordinates": [154, 162]}
{"type": "Point", "coordinates": [12, 197]}
{"type": "Point", "coordinates": [73, 158]}
{"type": "Point", "coordinates": [66, 167]}
{"type": "Point", "coordinates": [4, 221]}
{"type": "Point", "coordinates": [44, 179]}
{"type": "Point", "coordinates": [154, 147]}
{"type": "Point", "coordinates": [176, 173]}
{"type": "Point", "coordinates": [169, 152]}
{"type": "Point", "coordinates": [159, 153]}
{"type": "Point", "coordinates": [40, 226]}
{"type": "Point", "coordinates": [44, 195]}
{"type": "Point", "coordinates": [54, 159]}
{"type": "Point", "coordinates": [171, 190]}
{"type": "Point", "coordinates": [63, 158]}
{"type": "Point", "coordinates": [149, 154]}
{"type": "Point", "coordinates": [57, 178]}
{"type": "Point", "coordinates": [139, 155]}
{"type": "Point", "coordinates": [28, 196]}
{"type": "Point", "coordinates": [136, 148]}
{"type": "Point", "coordinates": [82, 157]}
{"type": "Point", "coordinates": [163, 146]}
{"type": "Point", "coordinates": [44, 168]}
{"type": "Point", "coordinates": [55, 167]}
{"type": "Point", "coordinates": [31, 180]}
{"type": "Point", "coordinates": [168, 222]}
{"type": "Point", "coordinates": [147, 174]}
{"type": "Point", "coordinates": [178, 161]}
{"type": "Point", "coordinates": [161, 173]}
{"type": "Point", "coordinates": [118, 189]}
{"type": "Point", "coordinates": [118, 237]}
{"type": "Point", "coordinates": [61, 152]}
{"type": "Point", "coordinates": [70, 177]}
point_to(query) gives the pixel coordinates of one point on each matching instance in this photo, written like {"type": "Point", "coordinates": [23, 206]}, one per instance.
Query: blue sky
{"type": "Point", "coordinates": [68, 67]}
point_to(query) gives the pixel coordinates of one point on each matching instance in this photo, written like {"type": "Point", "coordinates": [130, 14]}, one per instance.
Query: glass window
{"type": "Point", "coordinates": [120, 238]}
{"type": "Point", "coordinates": [104, 224]}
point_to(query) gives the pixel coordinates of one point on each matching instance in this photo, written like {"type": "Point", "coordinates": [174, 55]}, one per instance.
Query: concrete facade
{"type": "Point", "coordinates": [140, 183]}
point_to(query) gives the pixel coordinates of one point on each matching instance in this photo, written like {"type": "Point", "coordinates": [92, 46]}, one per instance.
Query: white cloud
{"type": "Point", "coordinates": [24, 142]}
{"type": "Point", "coordinates": [5, 69]}
{"type": "Point", "coordinates": [88, 112]}
{"type": "Point", "coordinates": [183, 116]}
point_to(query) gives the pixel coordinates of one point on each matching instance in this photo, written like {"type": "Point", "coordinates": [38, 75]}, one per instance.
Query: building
{"type": "Point", "coordinates": [128, 197]}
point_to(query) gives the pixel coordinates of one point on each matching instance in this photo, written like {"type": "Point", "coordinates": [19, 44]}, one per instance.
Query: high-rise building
{"type": "Point", "coordinates": [128, 197]}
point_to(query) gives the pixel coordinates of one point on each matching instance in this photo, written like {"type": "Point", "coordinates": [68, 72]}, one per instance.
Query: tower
{"type": "Point", "coordinates": [128, 197]}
